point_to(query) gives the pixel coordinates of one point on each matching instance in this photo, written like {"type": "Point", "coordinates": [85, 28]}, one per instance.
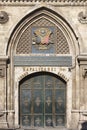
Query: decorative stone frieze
{"type": "Point", "coordinates": [51, 2]}
{"type": "Point", "coordinates": [3, 17]}
{"type": "Point", "coordinates": [43, 0]}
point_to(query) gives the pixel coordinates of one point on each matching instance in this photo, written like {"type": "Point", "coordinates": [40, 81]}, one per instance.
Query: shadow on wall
{"type": "Point", "coordinates": [84, 126]}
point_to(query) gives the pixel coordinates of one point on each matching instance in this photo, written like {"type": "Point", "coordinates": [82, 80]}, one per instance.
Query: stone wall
{"type": "Point", "coordinates": [74, 14]}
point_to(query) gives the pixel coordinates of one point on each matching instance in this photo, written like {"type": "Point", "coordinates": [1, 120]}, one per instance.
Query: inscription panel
{"type": "Point", "coordinates": [43, 60]}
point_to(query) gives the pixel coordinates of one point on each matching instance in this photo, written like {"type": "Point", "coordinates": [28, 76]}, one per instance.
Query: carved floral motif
{"type": "Point", "coordinates": [3, 17]}
{"type": "Point", "coordinates": [82, 17]}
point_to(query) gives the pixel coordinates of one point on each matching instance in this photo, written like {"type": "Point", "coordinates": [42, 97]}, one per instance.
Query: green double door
{"type": "Point", "coordinates": [42, 101]}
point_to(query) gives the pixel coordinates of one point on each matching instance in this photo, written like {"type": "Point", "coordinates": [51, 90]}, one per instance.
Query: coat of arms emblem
{"type": "Point", "coordinates": [42, 37]}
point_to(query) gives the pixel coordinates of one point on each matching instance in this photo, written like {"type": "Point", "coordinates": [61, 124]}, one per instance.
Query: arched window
{"type": "Point", "coordinates": [42, 100]}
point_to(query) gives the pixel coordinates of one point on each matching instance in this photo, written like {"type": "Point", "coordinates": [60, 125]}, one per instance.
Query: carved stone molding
{"type": "Point", "coordinates": [3, 60]}
{"type": "Point", "coordinates": [85, 73]}
{"type": "Point", "coordinates": [2, 72]}
{"type": "Point", "coordinates": [51, 2]}
{"type": "Point", "coordinates": [82, 59]}
{"type": "Point", "coordinates": [1, 113]}
{"type": "Point", "coordinates": [3, 17]}
{"type": "Point", "coordinates": [44, 0]}
{"type": "Point", "coordinates": [3, 63]}
{"type": "Point", "coordinates": [82, 17]}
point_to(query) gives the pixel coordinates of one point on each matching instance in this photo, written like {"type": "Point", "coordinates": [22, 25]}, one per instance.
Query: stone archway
{"type": "Point", "coordinates": [23, 53]}
{"type": "Point", "coordinates": [64, 76]}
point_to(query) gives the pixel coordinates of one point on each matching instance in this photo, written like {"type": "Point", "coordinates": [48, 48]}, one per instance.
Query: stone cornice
{"type": "Point", "coordinates": [4, 58]}
{"type": "Point", "coordinates": [51, 2]}
{"type": "Point", "coordinates": [82, 59]}
{"type": "Point", "coordinates": [44, 1]}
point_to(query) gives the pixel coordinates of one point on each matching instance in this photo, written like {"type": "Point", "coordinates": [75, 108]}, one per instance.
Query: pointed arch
{"type": "Point", "coordinates": [53, 17]}
{"type": "Point", "coordinates": [36, 15]}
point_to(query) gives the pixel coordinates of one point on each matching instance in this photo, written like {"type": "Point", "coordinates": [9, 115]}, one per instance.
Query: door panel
{"type": "Point", "coordinates": [42, 101]}
{"type": "Point", "coordinates": [38, 120]}
{"type": "Point", "coordinates": [38, 101]}
{"type": "Point", "coordinates": [25, 101]}
{"type": "Point", "coordinates": [26, 120]}
{"type": "Point", "coordinates": [60, 120]}
{"type": "Point", "coordinates": [60, 101]}
{"type": "Point", "coordinates": [48, 101]}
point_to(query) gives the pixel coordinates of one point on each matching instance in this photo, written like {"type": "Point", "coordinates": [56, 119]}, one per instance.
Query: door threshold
{"type": "Point", "coordinates": [45, 128]}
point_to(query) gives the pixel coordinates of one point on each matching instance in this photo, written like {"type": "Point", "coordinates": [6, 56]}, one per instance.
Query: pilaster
{"type": "Point", "coordinates": [3, 93]}
{"type": "Point", "coordinates": [82, 60]}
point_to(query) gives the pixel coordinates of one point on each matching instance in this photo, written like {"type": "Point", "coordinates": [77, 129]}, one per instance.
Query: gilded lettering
{"type": "Point", "coordinates": [30, 69]}
{"type": "Point", "coordinates": [54, 69]}
{"type": "Point", "coordinates": [41, 69]}
{"type": "Point", "coordinates": [44, 69]}
{"type": "Point", "coordinates": [48, 69]}
{"type": "Point", "coordinates": [23, 68]}
{"type": "Point", "coordinates": [51, 69]}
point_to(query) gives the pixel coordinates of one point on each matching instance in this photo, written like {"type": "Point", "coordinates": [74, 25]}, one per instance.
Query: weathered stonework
{"type": "Point", "coordinates": [16, 41]}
